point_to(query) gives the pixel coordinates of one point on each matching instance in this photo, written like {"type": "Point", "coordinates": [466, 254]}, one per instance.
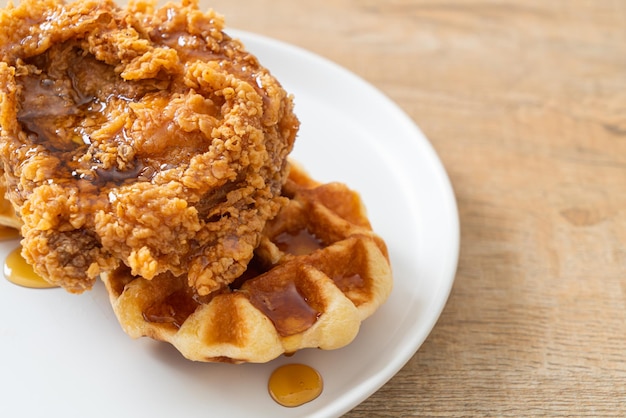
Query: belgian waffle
{"type": "Point", "coordinates": [8, 217]}
{"type": "Point", "coordinates": [318, 272]}
{"type": "Point", "coordinates": [166, 180]}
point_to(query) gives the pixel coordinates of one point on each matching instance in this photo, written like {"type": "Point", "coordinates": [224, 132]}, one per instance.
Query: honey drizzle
{"type": "Point", "coordinates": [347, 282]}
{"type": "Point", "coordinates": [175, 309]}
{"type": "Point", "coordinates": [19, 272]}
{"type": "Point", "coordinates": [292, 385]}
{"type": "Point", "coordinates": [288, 310]}
{"type": "Point", "coordinates": [301, 242]}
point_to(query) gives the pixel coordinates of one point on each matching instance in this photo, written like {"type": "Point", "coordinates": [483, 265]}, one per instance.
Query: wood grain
{"type": "Point", "coordinates": [525, 102]}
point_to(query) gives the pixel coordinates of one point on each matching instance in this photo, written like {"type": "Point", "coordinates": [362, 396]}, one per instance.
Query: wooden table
{"type": "Point", "coordinates": [525, 102]}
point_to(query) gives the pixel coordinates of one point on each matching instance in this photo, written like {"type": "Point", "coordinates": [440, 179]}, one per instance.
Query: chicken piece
{"type": "Point", "coordinates": [141, 136]}
{"type": "Point", "coordinates": [318, 272]}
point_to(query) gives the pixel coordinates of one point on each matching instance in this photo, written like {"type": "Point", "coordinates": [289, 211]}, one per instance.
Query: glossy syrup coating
{"type": "Point", "coordinates": [318, 272]}
{"type": "Point", "coordinates": [138, 136]}
{"type": "Point", "coordinates": [18, 272]}
{"type": "Point", "coordinates": [292, 385]}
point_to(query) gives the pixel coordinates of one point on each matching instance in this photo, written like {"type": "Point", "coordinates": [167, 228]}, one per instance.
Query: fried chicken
{"type": "Point", "coordinates": [318, 272]}
{"type": "Point", "coordinates": [139, 136]}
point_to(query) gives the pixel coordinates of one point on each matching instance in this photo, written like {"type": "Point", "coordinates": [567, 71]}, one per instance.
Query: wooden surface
{"type": "Point", "coordinates": [525, 102]}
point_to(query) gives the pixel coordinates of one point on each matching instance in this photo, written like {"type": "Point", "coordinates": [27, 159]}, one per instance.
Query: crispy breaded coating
{"type": "Point", "coordinates": [318, 272]}
{"type": "Point", "coordinates": [140, 136]}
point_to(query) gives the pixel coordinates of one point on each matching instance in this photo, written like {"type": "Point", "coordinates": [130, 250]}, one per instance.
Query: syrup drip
{"type": "Point", "coordinates": [7, 233]}
{"type": "Point", "coordinates": [288, 310]}
{"type": "Point", "coordinates": [347, 282]}
{"type": "Point", "coordinates": [295, 384]}
{"type": "Point", "coordinates": [300, 242]}
{"type": "Point", "coordinates": [175, 309]}
{"type": "Point", "coordinates": [19, 272]}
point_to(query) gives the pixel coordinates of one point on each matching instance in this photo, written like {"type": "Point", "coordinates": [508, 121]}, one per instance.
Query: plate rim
{"type": "Point", "coordinates": [366, 389]}
{"type": "Point", "coordinates": [356, 394]}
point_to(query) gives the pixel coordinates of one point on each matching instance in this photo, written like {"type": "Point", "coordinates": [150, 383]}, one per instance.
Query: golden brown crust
{"type": "Point", "coordinates": [318, 272]}
{"type": "Point", "coordinates": [143, 136]}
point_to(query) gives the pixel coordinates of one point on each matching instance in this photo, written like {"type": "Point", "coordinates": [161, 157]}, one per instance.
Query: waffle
{"type": "Point", "coordinates": [146, 147]}
{"type": "Point", "coordinates": [318, 272]}
{"type": "Point", "coordinates": [8, 217]}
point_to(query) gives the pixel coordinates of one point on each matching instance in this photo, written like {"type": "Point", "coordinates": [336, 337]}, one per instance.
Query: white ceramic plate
{"type": "Point", "coordinates": [65, 356]}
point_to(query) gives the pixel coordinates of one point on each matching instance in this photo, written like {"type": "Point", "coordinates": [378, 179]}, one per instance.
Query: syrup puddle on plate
{"type": "Point", "coordinates": [292, 385]}
{"type": "Point", "coordinates": [19, 272]}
